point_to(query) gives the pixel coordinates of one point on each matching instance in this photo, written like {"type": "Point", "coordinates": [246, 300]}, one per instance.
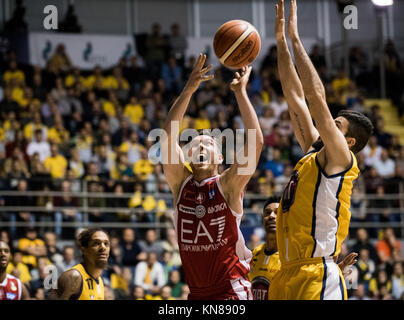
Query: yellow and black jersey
{"type": "Point", "coordinates": [264, 266]}
{"type": "Point", "coordinates": [314, 213]}
{"type": "Point", "coordinates": [91, 289]}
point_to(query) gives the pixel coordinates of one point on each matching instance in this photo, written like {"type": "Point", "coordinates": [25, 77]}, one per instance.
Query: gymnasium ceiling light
{"type": "Point", "coordinates": [382, 3]}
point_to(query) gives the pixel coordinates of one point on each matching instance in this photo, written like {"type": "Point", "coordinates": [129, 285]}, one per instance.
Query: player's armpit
{"type": "Point", "coordinates": [24, 293]}
{"type": "Point", "coordinates": [69, 284]}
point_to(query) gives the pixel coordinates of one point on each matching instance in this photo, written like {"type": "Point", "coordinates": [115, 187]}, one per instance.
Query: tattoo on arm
{"type": "Point", "coordinates": [68, 285]}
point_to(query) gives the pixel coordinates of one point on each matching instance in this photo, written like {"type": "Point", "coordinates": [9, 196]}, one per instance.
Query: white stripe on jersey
{"type": "Point", "coordinates": [325, 215]}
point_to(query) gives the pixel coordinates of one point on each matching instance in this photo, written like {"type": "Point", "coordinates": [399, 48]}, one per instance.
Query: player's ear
{"type": "Point", "coordinates": [351, 142]}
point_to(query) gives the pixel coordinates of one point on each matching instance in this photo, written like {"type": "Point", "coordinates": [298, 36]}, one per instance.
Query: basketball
{"type": "Point", "coordinates": [236, 44]}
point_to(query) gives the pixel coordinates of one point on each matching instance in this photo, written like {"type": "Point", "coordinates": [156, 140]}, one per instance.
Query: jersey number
{"type": "Point", "coordinates": [90, 284]}
{"type": "Point", "coordinates": [288, 196]}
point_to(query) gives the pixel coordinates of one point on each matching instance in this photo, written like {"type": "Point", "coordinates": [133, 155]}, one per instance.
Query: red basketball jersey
{"type": "Point", "coordinates": [10, 288]}
{"type": "Point", "coordinates": [212, 247]}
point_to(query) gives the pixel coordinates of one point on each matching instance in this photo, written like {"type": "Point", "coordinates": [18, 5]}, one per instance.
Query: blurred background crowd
{"type": "Point", "coordinates": [66, 132]}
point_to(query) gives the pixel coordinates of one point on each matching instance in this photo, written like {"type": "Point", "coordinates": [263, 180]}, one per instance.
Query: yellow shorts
{"type": "Point", "coordinates": [308, 279]}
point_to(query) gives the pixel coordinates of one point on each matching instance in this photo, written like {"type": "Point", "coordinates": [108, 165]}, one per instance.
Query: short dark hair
{"type": "Point", "coordinates": [272, 199]}
{"type": "Point", "coordinates": [84, 237]}
{"type": "Point", "coordinates": [360, 127]}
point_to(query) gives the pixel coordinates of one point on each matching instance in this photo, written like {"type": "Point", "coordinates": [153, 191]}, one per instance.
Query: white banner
{"type": "Point", "coordinates": [85, 50]}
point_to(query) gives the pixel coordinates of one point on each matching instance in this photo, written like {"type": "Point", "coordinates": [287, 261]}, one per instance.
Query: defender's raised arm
{"type": "Point", "coordinates": [303, 127]}
{"type": "Point", "coordinates": [336, 146]}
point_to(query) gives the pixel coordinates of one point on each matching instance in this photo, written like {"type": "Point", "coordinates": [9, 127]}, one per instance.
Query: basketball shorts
{"type": "Point", "coordinates": [308, 279]}
{"type": "Point", "coordinates": [235, 289]}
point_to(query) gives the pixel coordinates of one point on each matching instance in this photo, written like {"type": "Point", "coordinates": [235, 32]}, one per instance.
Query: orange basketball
{"type": "Point", "coordinates": [236, 44]}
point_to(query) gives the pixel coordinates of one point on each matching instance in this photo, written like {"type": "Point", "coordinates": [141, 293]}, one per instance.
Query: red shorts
{"type": "Point", "coordinates": [235, 289]}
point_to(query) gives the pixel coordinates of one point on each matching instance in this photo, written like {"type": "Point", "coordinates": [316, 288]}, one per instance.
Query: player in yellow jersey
{"type": "Point", "coordinates": [313, 216]}
{"type": "Point", "coordinates": [265, 261]}
{"type": "Point", "coordinates": [83, 281]}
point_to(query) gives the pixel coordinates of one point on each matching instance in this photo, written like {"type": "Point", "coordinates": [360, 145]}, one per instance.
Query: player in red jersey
{"type": "Point", "coordinates": [208, 206]}
{"type": "Point", "coordinates": [11, 288]}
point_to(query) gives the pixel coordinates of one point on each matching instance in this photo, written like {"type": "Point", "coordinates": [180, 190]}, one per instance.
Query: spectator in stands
{"type": "Point", "coordinates": [70, 22]}
{"type": "Point", "coordinates": [316, 57]}
{"type": "Point", "coordinates": [372, 151]}
{"type": "Point", "coordinates": [32, 247]}
{"type": "Point", "coordinates": [372, 180]}
{"type": "Point", "coordinates": [171, 73]}
{"type": "Point", "coordinates": [366, 267]}
{"type": "Point", "coordinates": [60, 60]}
{"type": "Point", "coordinates": [150, 274]}
{"type": "Point", "coordinates": [397, 280]}
{"type": "Point", "coordinates": [170, 244]}
{"type": "Point", "coordinates": [75, 163]}
{"type": "Point", "coordinates": [15, 166]}
{"type": "Point", "coordinates": [379, 285]}
{"type": "Point", "coordinates": [56, 164]}
{"type": "Point", "coordinates": [38, 280]}
{"type": "Point", "coordinates": [70, 214]}
{"type": "Point", "coordinates": [143, 167]}
{"type": "Point", "coordinates": [360, 293]}
{"type": "Point", "coordinates": [38, 145]}
{"type": "Point", "coordinates": [383, 137]}
{"type": "Point", "coordinates": [178, 44]}
{"type": "Point", "coordinates": [131, 251]}
{"type": "Point", "coordinates": [96, 215]}
{"type": "Point", "coordinates": [174, 282]}
{"type": "Point", "coordinates": [132, 147]}
{"type": "Point", "coordinates": [362, 242]}
{"type": "Point", "coordinates": [135, 73]}
{"type": "Point", "coordinates": [389, 248]}
{"type": "Point", "coordinates": [385, 166]}
{"type": "Point", "coordinates": [164, 293]}
{"type": "Point", "coordinates": [68, 259]}
{"type": "Point", "coordinates": [54, 254]}
{"type": "Point", "coordinates": [134, 110]}
{"type": "Point", "coordinates": [151, 244]}
{"type": "Point", "coordinates": [267, 121]}
{"type": "Point", "coordinates": [109, 294]}
{"type": "Point", "coordinates": [92, 172]}
{"type": "Point", "coordinates": [184, 292]}
{"type": "Point", "coordinates": [275, 164]}
{"type": "Point", "coordinates": [18, 268]}
{"type": "Point", "coordinates": [156, 45]}
{"type": "Point", "coordinates": [270, 59]}
{"type": "Point", "coordinates": [138, 293]}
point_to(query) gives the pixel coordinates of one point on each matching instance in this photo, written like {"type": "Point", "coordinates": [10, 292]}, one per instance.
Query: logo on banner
{"type": "Point", "coordinates": [47, 50]}
{"type": "Point", "coordinates": [127, 51]}
{"type": "Point", "coordinates": [87, 51]}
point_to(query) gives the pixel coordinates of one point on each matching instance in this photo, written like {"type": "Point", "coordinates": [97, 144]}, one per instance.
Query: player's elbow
{"type": "Point", "coordinates": [259, 139]}
{"type": "Point", "coordinates": [316, 94]}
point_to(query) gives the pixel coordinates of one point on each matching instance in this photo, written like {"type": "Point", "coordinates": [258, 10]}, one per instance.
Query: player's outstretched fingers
{"type": "Point", "coordinates": [207, 69]}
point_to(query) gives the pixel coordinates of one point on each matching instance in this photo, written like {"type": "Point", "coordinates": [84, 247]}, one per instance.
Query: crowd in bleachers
{"type": "Point", "coordinates": [65, 129]}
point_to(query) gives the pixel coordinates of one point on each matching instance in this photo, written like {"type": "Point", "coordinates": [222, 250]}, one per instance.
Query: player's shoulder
{"type": "Point", "coordinates": [258, 250]}
{"type": "Point", "coordinates": [11, 277]}
{"type": "Point", "coordinates": [73, 274]}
